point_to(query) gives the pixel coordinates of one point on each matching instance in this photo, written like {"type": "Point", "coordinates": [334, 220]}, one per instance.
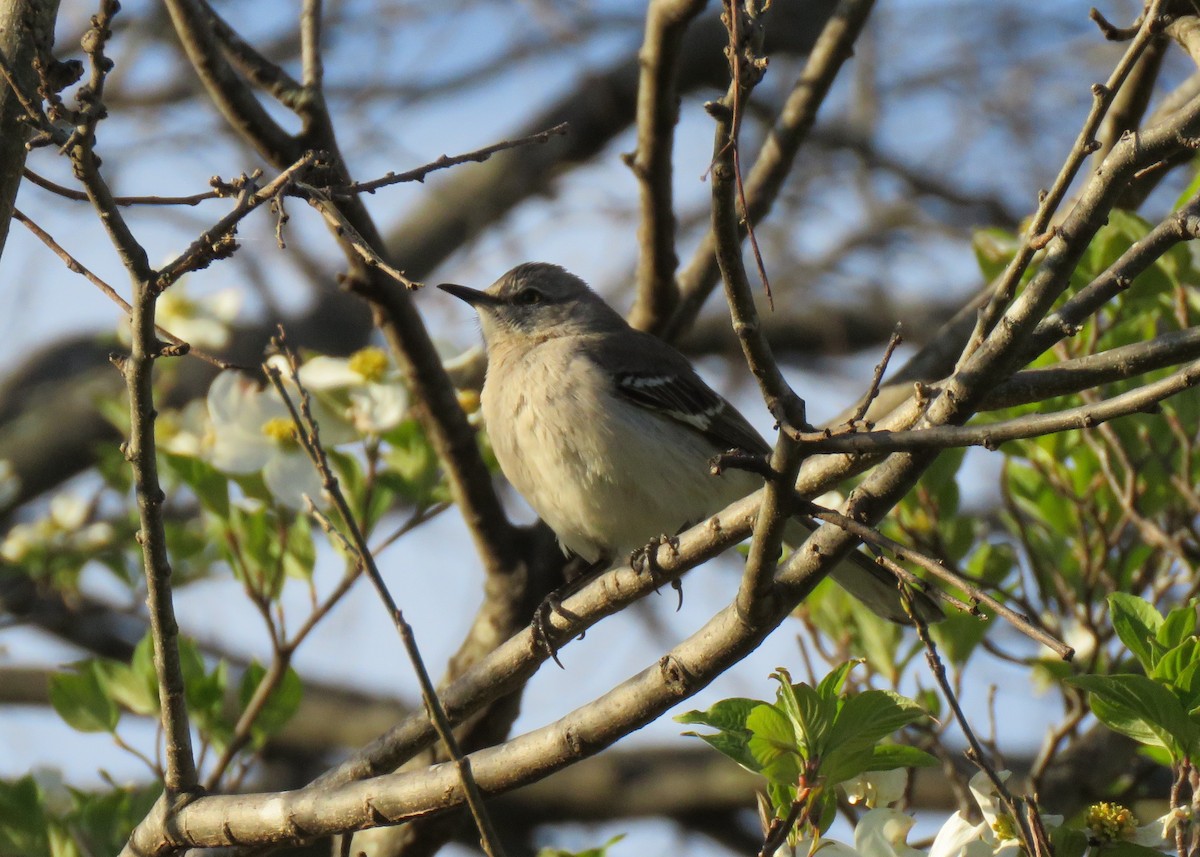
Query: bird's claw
{"type": "Point", "coordinates": [645, 559]}
{"type": "Point", "coordinates": [541, 628]}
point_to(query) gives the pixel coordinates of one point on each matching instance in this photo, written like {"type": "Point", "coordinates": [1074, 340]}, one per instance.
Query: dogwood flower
{"type": "Point", "coordinates": [202, 322]}
{"type": "Point", "coordinates": [252, 432]}
{"type": "Point", "coordinates": [364, 389]}
{"type": "Point", "coordinates": [63, 530]}
{"type": "Point", "coordinates": [883, 832]}
{"type": "Point", "coordinates": [996, 836]}
{"type": "Point", "coordinates": [876, 788]}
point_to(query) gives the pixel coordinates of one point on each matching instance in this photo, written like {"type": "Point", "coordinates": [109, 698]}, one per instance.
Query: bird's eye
{"type": "Point", "coordinates": [527, 297]}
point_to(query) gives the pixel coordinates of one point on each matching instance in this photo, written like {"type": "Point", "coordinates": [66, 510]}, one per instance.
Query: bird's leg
{"type": "Point", "coordinates": [552, 603]}
{"type": "Point", "coordinates": [646, 559]}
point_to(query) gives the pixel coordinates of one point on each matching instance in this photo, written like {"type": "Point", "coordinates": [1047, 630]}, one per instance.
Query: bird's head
{"type": "Point", "coordinates": [537, 301]}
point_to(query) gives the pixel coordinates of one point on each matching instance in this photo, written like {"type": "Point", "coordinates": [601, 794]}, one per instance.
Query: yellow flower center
{"type": "Point", "coordinates": [1111, 821]}
{"type": "Point", "coordinates": [1004, 828]}
{"type": "Point", "coordinates": [468, 400]}
{"type": "Point", "coordinates": [370, 362]}
{"type": "Point", "coordinates": [281, 430]}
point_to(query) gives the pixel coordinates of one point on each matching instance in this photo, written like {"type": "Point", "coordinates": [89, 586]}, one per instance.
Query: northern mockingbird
{"type": "Point", "coordinates": [608, 432]}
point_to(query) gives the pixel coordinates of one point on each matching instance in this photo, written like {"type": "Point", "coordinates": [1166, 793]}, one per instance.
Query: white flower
{"type": "Point", "coordinates": [18, 542]}
{"type": "Point", "coordinates": [68, 512]}
{"type": "Point", "coordinates": [1161, 832]}
{"type": "Point", "coordinates": [185, 432]}
{"type": "Point", "coordinates": [808, 848]}
{"type": "Point", "coordinates": [253, 431]}
{"type": "Point", "coordinates": [883, 833]}
{"type": "Point", "coordinates": [364, 388]}
{"type": "Point", "coordinates": [876, 788]}
{"type": "Point", "coordinates": [65, 529]}
{"type": "Point", "coordinates": [995, 837]}
{"type": "Point", "coordinates": [202, 322]}
{"type": "Point", "coordinates": [959, 838]}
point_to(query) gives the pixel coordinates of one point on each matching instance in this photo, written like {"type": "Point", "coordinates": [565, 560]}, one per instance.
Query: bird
{"type": "Point", "coordinates": [608, 431]}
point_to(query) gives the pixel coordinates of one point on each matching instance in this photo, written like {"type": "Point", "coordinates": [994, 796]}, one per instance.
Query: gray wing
{"type": "Point", "coordinates": [655, 376]}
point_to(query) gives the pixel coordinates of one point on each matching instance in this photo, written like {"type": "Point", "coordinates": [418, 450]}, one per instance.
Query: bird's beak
{"type": "Point", "coordinates": [474, 297]}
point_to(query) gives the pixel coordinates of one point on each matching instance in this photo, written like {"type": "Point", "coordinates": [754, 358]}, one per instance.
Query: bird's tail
{"type": "Point", "coordinates": [875, 587]}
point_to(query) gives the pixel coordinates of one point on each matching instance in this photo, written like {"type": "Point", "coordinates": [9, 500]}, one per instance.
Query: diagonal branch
{"type": "Point", "coordinates": [833, 47]}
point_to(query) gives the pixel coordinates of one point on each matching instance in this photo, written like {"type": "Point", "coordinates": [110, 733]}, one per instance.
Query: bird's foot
{"type": "Point", "coordinates": [542, 629]}
{"type": "Point", "coordinates": [646, 560]}
{"type": "Point", "coordinates": [553, 603]}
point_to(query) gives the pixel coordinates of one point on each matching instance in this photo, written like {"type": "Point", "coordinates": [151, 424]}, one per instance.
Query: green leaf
{"type": "Point", "coordinates": [1179, 625]}
{"type": "Point", "coordinates": [810, 713]}
{"type": "Point", "coordinates": [411, 457]}
{"type": "Point", "coordinates": [205, 692]}
{"type": "Point", "coordinates": [871, 715]}
{"type": "Point", "coordinates": [733, 745]}
{"type": "Point", "coordinates": [1187, 687]}
{"type": "Point", "coordinates": [1137, 623]}
{"type": "Point", "coordinates": [1069, 842]}
{"type": "Point", "coordinates": [209, 484]}
{"type": "Point", "coordinates": [831, 686]}
{"type": "Point", "coordinates": [863, 720]}
{"type": "Point", "coordinates": [62, 841]}
{"type": "Point", "coordinates": [1143, 709]}
{"type": "Point", "coordinates": [280, 707]}
{"type": "Point", "coordinates": [729, 716]}
{"type": "Point", "coordinates": [888, 757]}
{"type": "Point", "coordinates": [300, 555]}
{"type": "Point", "coordinates": [102, 821]}
{"type": "Point", "coordinates": [773, 744]}
{"type": "Point", "coordinates": [127, 687]}
{"type": "Point", "coordinates": [1190, 191]}
{"type": "Point", "coordinates": [22, 819]}
{"type": "Point", "coordinates": [1172, 663]}
{"type": "Point", "coordinates": [994, 248]}
{"type": "Point", "coordinates": [80, 699]}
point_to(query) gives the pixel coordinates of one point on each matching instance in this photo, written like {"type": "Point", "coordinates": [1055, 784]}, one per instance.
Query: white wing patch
{"type": "Point", "coordinates": [673, 396]}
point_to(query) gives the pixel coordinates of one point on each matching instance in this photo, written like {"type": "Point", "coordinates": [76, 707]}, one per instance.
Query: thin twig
{"type": "Point", "coordinates": [991, 435]}
{"type": "Point", "coordinates": [781, 400]}
{"type": "Point", "coordinates": [1036, 236]}
{"type": "Point", "coordinates": [873, 391]}
{"type": "Point", "coordinates": [320, 200]}
{"type": "Point", "coordinates": [313, 70]}
{"type": "Point", "coordinates": [262, 72]}
{"type": "Point", "coordinates": [976, 752]}
{"type": "Point", "coordinates": [419, 173]}
{"type": "Point", "coordinates": [216, 242]}
{"type": "Point", "coordinates": [745, 62]}
{"type": "Point", "coordinates": [179, 778]}
{"type": "Point", "coordinates": [798, 814]}
{"type": "Point", "coordinates": [833, 47]}
{"type": "Point", "coordinates": [933, 566]}
{"type": "Point", "coordinates": [308, 434]}
{"type": "Point", "coordinates": [75, 266]}
{"type": "Point", "coordinates": [1092, 370]}
{"type": "Point", "coordinates": [79, 196]}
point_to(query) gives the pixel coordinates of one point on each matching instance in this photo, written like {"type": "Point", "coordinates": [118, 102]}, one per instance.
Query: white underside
{"type": "Point", "coordinates": [609, 487]}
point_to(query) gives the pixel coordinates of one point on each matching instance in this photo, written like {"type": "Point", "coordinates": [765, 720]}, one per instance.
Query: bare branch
{"type": "Point", "coordinates": [657, 115]}
{"type": "Point", "coordinates": [1035, 236]}
{"type": "Point", "coordinates": [791, 128]}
